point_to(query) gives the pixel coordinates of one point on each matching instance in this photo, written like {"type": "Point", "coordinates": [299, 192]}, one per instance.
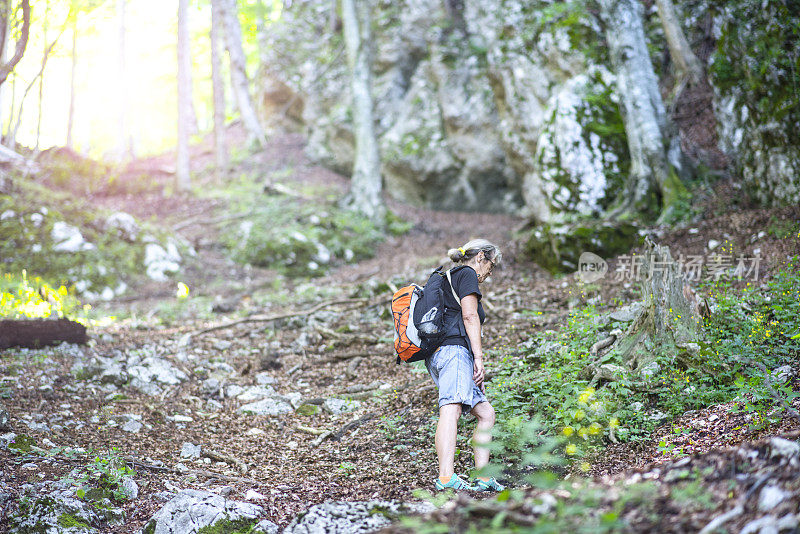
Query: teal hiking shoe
{"type": "Point", "coordinates": [488, 485]}
{"type": "Point", "coordinates": [455, 482]}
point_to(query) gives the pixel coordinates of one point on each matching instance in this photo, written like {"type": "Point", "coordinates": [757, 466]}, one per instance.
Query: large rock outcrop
{"type": "Point", "coordinates": [504, 105]}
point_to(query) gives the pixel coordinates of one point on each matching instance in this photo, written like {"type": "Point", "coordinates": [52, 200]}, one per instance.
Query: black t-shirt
{"type": "Point", "coordinates": [465, 282]}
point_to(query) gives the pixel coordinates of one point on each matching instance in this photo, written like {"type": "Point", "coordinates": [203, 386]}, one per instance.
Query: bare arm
{"type": "Point", "coordinates": [472, 323]}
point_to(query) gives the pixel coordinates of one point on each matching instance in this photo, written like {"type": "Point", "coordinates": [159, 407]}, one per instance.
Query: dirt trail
{"type": "Point", "coordinates": [383, 449]}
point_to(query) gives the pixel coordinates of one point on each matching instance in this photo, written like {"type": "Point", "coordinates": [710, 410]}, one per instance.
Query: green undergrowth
{"type": "Point", "coordinates": [753, 332]}
{"type": "Point", "coordinates": [21, 297]}
{"type": "Point", "coordinates": [64, 239]}
{"type": "Point", "coordinates": [300, 234]}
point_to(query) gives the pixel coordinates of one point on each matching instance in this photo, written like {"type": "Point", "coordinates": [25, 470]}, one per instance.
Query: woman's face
{"type": "Point", "coordinates": [484, 267]}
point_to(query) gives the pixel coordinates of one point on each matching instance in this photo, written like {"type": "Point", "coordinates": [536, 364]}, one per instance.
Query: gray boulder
{"type": "Point", "coordinates": [152, 371]}
{"type": "Point", "coordinates": [268, 406]}
{"type": "Point", "coordinates": [191, 510]}
{"type": "Point", "coordinates": [123, 224]}
{"type": "Point", "coordinates": [336, 406]}
{"type": "Point", "coordinates": [352, 517]}
{"type": "Point", "coordinates": [4, 417]}
{"type": "Point", "coordinates": [59, 512]}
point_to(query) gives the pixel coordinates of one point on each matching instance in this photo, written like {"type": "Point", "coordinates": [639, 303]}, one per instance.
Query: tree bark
{"type": "Point", "coordinates": [238, 65]}
{"type": "Point", "coordinates": [41, 80]}
{"type": "Point", "coordinates": [653, 184]}
{"type": "Point", "coordinates": [218, 87]}
{"type": "Point", "coordinates": [36, 333]}
{"type": "Point", "coordinates": [365, 185]}
{"type": "Point", "coordinates": [182, 170]}
{"type": "Point", "coordinates": [22, 42]}
{"type": "Point", "coordinates": [668, 325]}
{"type": "Point", "coordinates": [4, 15]}
{"type": "Point", "coordinates": [685, 60]}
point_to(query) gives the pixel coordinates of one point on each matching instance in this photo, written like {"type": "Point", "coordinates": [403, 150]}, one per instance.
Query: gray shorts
{"type": "Point", "coordinates": [451, 368]}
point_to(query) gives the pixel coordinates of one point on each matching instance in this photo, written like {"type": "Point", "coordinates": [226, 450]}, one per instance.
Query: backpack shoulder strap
{"type": "Point", "coordinates": [450, 281]}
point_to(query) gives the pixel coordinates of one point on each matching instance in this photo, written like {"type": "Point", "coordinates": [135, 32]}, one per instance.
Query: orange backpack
{"type": "Point", "coordinates": [418, 314]}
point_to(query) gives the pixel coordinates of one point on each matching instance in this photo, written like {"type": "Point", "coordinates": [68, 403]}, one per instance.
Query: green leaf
{"type": "Point", "coordinates": [503, 495]}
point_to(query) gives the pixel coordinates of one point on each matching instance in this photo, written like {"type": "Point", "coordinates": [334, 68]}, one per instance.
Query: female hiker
{"type": "Point", "coordinates": [457, 366]}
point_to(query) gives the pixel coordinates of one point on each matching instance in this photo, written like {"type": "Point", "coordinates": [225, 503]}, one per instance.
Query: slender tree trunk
{"type": "Point", "coordinates": [680, 51]}
{"type": "Point", "coordinates": [71, 116]}
{"type": "Point", "coordinates": [218, 86]}
{"type": "Point", "coordinates": [4, 14]}
{"type": "Point", "coordinates": [7, 139]}
{"type": "Point", "coordinates": [13, 136]}
{"type": "Point", "coordinates": [653, 183]}
{"type": "Point", "coordinates": [238, 65]}
{"type": "Point", "coordinates": [365, 185]}
{"type": "Point", "coordinates": [22, 41]}
{"type": "Point", "coordinates": [184, 97]}
{"type": "Point", "coordinates": [41, 79]}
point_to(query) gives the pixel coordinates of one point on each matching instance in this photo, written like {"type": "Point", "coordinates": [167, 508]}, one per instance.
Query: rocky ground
{"type": "Point", "coordinates": [289, 396]}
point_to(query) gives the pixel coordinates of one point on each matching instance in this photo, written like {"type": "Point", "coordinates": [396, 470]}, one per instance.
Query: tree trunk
{"type": "Point", "coordinates": [218, 86]}
{"type": "Point", "coordinates": [653, 185]}
{"type": "Point", "coordinates": [36, 333]}
{"type": "Point", "coordinates": [41, 80]}
{"type": "Point", "coordinates": [667, 327]}
{"type": "Point", "coordinates": [184, 98]}
{"type": "Point", "coordinates": [686, 62]}
{"type": "Point", "coordinates": [71, 116]}
{"type": "Point", "coordinates": [4, 15]}
{"type": "Point", "coordinates": [11, 138]}
{"type": "Point", "coordinates": [238, 64]}
{"type": "Point", "coordinates": [22, 42]}
{"type": "Point", "coordinates": [365, 185]}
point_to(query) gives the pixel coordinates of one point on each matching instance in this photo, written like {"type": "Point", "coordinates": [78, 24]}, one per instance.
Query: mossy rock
{"type": "Point", "coordinates": [558, 248]}
{"type": "Point", "coordinates": [70, 521]}
{"type": "Point", "coordinates": [307, 409]}
{"type": "Point", "coordinates": [226, 526]}
{"type": "Point", "coordinates": [22, 443]}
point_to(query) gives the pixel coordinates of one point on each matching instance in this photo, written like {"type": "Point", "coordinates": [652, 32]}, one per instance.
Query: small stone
{"type": "Point", "coordinates": [255, 432]}
{"type": "Point", "coordinates": [770, 497]}
{"type": "Point", "coordinates": [263, 379]}
{"type": "Point", "coordinates": [256, 392]}
{"type": "Point", "coordinates": [712, 418]}
{"type": "Point", "coordinates": [267, 406]}
{"type": "Point", "coordinates": [130, 488]}
{"type": "Point", "coordinates": [222, 345]}
{"type": "Point", "coordinates": [178, 418]}
{"type": "Point", "coordinates": [234, 390]}
{"type": "Point", "coordinates": [338, 406]}
{"type": "Point", "coordinates": [213, 405]}
{"type": "Point", "coordinates": [253, 495]}
{"type": "Point", "coordinates": [190, 450]}
{"type": "Point", "coordinates": [712, 244]}
{"type": "Point", "coordinates": [4, 417]}
{"type": "Point", "coordinates": [784, 447]}
{"type": "Point", "coordinates": [266, 526]}
{"type": "Point", "coordinates": [132, 426]}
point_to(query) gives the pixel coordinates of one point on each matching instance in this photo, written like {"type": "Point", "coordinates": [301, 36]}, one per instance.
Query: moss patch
{"type": "Point", "coordinates": [226, 526]}
{"type": "Point", "coordinates": [558, 248]}
{"type": "Point", "coordinates": [70, 521]}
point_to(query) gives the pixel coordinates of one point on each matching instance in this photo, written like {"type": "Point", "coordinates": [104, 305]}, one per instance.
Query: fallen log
{"type": "Point", "coordinates": [37, 333]}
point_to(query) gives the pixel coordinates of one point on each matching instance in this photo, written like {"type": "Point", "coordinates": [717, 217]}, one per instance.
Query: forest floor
{"type": "Point", "coordinates": [381, 447]}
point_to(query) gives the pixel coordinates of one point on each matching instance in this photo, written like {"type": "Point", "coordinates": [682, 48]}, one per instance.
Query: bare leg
{"type": "Point", "coordinates": [484, 412]}
{"type": "Point", "coordinates": [446, 431]}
